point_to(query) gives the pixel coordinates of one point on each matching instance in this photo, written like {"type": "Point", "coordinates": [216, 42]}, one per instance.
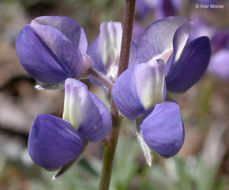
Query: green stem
{"type": "Point", "coordinates": [109, 150]}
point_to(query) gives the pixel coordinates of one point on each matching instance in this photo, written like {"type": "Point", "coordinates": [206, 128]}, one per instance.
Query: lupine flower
{"type": "Point", "coordinates": [188, 61]}
{"type": "Point", "coordinates": [85, 111]}
{"type": "Point", "coordinates": [161, 57]}
{"type": "Point", "coordinates": [54, 142]}
{"type": "Point", "coordinates": [52, 48]}
{"type": "Point", "coordinates": [162, 8]}
{"type": "Point", "coordinates": [105, 49]}
{"type": "Point", "coordinates": [142, 8]}
{"type": "Point", "coordinates": [165, 8]}
{"type": "Point", "coordinates": [139, 88]}
{"type": "Point", "coordinates": [218, 65]}
{"type": "Point", "coordinates": [185, 64]}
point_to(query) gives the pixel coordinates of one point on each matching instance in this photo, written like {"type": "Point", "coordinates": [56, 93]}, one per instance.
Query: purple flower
{"type": "Point", "coordinates": [220, 40]}
{"type": "Point", "coordinates": [52, 49]}
{"type": "Point", "coordinates": [190, 67]}
{"type": "Point", "coordinates": [54, 142]}
{"type": "Point", "coordinates": [85, 111]}
{"type": "Point", "coordinates": [139, 88]}
{"type": "Point", "coordinates": [188, 61]}
{"type": "Point", "coordinates": [162, 56]}
{"type": "Point", "coordinates": [218, 66]}
{"type": "Point", "coordinates": [105, 49]}
{"type": "Point", "coordinates": [165, 8]}
{"type": "Point", "coordinates": [162, 60]}
{"type": "Point", "coordinates": [142, 8]}
{"type": "Point", "coordinates": [162, 8]}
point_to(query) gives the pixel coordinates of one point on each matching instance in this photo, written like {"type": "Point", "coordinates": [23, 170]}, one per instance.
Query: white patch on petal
{"type": "Point", "coordinates": [150, 85]}
{"type": "Point", "coordinates": [75, 101]}
{"type": "Point", "coordinates": [110, 43]}
{"type": "Point", "coordinates": [164, 56]}
{"type": "Point", "coordinates": [182, 43]}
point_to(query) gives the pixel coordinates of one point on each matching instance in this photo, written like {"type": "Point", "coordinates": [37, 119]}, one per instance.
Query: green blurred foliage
{"type": "Point", "coordinates": [130, 172]}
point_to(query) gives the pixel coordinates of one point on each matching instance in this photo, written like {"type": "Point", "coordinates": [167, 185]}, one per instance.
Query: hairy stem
{"type": "Point", "coordinates": [109, 150]}
{"type": "Point", "coordinates": [101, 78]}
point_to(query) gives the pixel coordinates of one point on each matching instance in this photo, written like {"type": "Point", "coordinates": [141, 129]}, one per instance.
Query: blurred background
{"type": "Point", "coordinates": [203, 162]}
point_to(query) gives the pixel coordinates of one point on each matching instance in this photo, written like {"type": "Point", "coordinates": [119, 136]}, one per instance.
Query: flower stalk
{"type": "Point", "coordinates": [101, 78]}
{"type": "Point", "coordinates": [109, 151]}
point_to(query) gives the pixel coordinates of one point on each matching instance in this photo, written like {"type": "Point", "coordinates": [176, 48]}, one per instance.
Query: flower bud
{"type": "Point", "coordinates": [105, 49]}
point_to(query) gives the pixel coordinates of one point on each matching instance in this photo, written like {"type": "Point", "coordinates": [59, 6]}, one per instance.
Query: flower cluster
{"type": "Point", "coordinates": [164, 61]}
{"type": "Point", "coordinates": [54, 142]}
{"type": "Point", "coordinates": [54, 51]}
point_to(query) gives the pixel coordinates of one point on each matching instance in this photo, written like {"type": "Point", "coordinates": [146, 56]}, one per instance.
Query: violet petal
{"type": "Point", "coordinates": [158, 38]}
{"type": "Point", "coordinates": [105, 49]}
{"type": "Point", "coordinates": [139, 88]}
{"type": "Point", "coordinates": [68, 55]}
{"type": "Point", "coordinates": [85, 111]}
{"type": "Point", "coordinates": [37, 59]}
{"type": "Point", "coordinates": [163, 130]}
{"type": "Point", "coordinates": [53, 142]}
{"type": "Point", "coordinates": [72, 30]}
{"type": "Point", "coordinates": [190, 67]}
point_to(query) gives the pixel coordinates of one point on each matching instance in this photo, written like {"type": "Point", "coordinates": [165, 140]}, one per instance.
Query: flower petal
{"type": "Point", "coordinates": [163, 129]}
{"type": "Point", "coordinates": [85, 111]}
{"type": "Point", "coordinates": [158, 38]}
{"type": "Point", "coordinates": [139, 88]}
{"type": "Point", "coordinates": [72, 30]}
{"type": "Point", "coordinates": [190, 67]}
{"type": "Point", "coordinates": [53, 142]}
{"type": "Point", "coordinates": [105, 49]}
{"type": "Point", "coordinates": [219, 65]}
{"type": "Point", "coordinates": [103, 126]}
{"type": "Point", "coordinates": [37, 59]}
{"type": "Point", "coordinates": [179, 41]}
{"type": "Point", "coordinates": [67, 53]}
